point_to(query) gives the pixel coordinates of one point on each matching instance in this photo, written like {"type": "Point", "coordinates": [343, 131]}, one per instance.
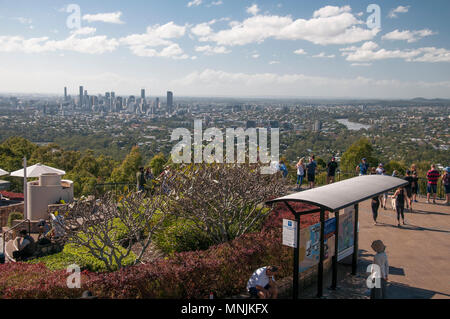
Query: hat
{"type": "Point", "coordinates": [408, 172]}
{"type": "Point", "coordinates": [381, 164]}
{"type": "Point", "coordinates": [364, 159]}
{"type": "Point", "coordinates": [378, 246]}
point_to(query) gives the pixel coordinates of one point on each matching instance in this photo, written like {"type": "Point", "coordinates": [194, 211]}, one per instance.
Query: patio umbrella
{"type": "Point", "coordinates": [2, 172]}
{"type": "Point", "coordinates": [38, 170]}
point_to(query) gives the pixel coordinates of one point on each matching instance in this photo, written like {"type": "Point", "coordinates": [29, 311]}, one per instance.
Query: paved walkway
{"type": "Point", "coordinates": [419, 252]}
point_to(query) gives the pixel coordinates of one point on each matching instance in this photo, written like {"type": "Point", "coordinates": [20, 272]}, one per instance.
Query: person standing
{"type": "Point", "coordinates": [415, 184]}
{"type": "Point", "coordinates": [300, 172]}
{"type": "Point", "coordinates": [432, 177]}
{"type": "Point", "coordinates": [380, 169]}
{"type": "Point", "coordinates": [331, 170]}
{"type": "Point", "coordinates": [311, 171]}
{"type": "Point", "coordinates": [446, 182]}
{"type": "Point", "coordinates": [399, 197]}
{"type": "Point", "coordinates": [408, 189]}
{"type": "Point", "coordinates": [140, 179]}
{"type": "Point", "coordinates": [283, 169]}
{"type": "Point", "coordinates": [381, 272]}
{"type": "Point", "coordinates": [375, 203]}
{"type": "Point", "coordinates": [363, 167]}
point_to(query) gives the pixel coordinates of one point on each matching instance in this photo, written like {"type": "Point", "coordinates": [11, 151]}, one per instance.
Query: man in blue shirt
{"type": "Point", "coordinates": [363, 167]}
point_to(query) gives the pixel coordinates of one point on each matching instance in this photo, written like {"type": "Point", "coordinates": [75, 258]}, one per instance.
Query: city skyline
{"type": "Point", "coordinates": [228, 48]}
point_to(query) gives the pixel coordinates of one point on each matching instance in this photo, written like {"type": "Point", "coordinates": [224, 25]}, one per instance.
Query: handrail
{"type": "Point", "coordinates": [14, 228]}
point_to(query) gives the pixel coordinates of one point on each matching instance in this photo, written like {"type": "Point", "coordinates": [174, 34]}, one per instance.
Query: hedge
{"type": "Point", "coordinates": [223, 270]}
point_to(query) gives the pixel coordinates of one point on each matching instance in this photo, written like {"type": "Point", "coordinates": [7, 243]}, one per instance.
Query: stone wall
{"type": "Point", "coordinates": [6, 210]}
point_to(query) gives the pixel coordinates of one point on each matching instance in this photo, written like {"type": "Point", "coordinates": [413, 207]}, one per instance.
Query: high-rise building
{"type": "Point", "coordinates": [65, 93]}
{"type": "Point", "coordinates": [80, 102]}
{"type": "Point", "coordinates": [143, 94]}
{"type": "Point", "coordinates": [169, 102]}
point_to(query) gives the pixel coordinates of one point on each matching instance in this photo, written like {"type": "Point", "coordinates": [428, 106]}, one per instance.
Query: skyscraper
{"type": "Point", "coordinates": [80, 102]}
{"type": "Point", "coordinates": [143, 94]}
{"type": "Point", "coordinates": [169, 102]}
{"type": "Point", "coordinates": [65, 93]}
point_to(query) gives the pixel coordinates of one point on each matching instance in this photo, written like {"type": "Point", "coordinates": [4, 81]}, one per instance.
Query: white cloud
{"type": "Point", "coordinates": [330, 11]}
{"type": "Point", "coordinates": [255, 56]}
{"type": "Point", "coordinates": [323, 55]}
{"type": "Point", "coordinates": [217, 3]}
{"type": "Point", "coordinates": [274, 62]}
{"type": "Point", "coordinates": [407, 35]}
{"type": "Point", "coordinates": [23, 20]}
{"type": "Point", "coordinates": [330, 25]}
{"type": "Point", "coordinates": [399, 9]}
{"type": "Point", "coordinates": [84, 31]}
{"type": "Point", "coordinates": [90, 45]}
{"type": "Point", "coordinates": [300, 52]}
{"type": "Point", "coordinates": [209, 50]}
{"type": "Point", "coordinates": [218, 82]}
{"type": "Point", "coordinates": [253, 9]}
{"type": "Point", "coordinates": [370, 51]}
{"type": "Point", "coordinates": [157, 36]}
{"type": "Point", "coordinates": [194, 3]}
{"type": "Point", "coordinates": [361, 64]}
{"type": "Point", "coordinates": [113, 17]}
{"type": "Point", "coordinates": [202, 29]}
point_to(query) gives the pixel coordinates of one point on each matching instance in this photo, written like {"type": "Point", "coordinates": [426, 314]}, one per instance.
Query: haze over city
{"type": "Point", "coordinates": [227, 48]}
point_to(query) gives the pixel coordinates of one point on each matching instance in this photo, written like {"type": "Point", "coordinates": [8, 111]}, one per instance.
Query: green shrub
{"type": "Point", "coordinates": [14, 216]}
{"type": "Point", "coordinates": [181, 235]}
{"type": "Point", "coordinates": [79, 256]}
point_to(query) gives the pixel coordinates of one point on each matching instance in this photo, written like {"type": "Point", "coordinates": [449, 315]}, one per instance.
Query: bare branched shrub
{"type": "Point", "coordinates": [107, 227]}
{"type": "Point", "coordinates": [223, 200]}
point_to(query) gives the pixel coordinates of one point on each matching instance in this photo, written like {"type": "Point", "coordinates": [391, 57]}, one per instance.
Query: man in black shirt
{"type": "Point", "coordinates": [331, 169]}
{"type": "Point", "coordinates": [408, 188]}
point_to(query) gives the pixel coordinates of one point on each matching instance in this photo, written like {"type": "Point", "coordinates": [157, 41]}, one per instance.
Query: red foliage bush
{"type": "Point", "coordinates": [222, 269]}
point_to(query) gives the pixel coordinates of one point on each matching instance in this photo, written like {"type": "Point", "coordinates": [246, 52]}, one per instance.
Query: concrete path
{"type": "Point", "coordinates": [418, 253]}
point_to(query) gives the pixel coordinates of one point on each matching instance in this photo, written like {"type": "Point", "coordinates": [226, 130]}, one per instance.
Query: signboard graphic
{"type": "Point", "coordinates": [310, 246]}
{"type": "Point", "coordinates": [346, 232]}
{"type": "Point", "coordinates": [290, 233]}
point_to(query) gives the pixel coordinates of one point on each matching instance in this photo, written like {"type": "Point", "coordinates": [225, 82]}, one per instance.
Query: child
{"type": "Point", "coordinates": [381, 261]}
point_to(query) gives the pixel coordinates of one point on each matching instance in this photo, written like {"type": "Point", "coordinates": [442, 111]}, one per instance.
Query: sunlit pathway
{"type": "Point", "coordinates": [419, 252]}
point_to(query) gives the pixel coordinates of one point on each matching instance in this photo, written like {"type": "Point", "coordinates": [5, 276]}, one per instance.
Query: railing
{"type": "Point", "coordinates": [12, 229]}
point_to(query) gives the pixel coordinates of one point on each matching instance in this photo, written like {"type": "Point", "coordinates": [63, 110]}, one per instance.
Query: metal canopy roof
{"type": "Point", "coordinates": [336, 196]}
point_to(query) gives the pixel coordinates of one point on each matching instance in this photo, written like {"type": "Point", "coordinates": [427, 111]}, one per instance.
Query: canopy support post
{"type": "Point", "coordinates": [355, 242]}
{"type": "Point", "coordinates": [296, 260]}
{"type": "Point", "coordinates": [336, 252]}
{"type": "Point", "coordinates": [322, 254]}
{"type": "Point", "coordinates": [25, 189]}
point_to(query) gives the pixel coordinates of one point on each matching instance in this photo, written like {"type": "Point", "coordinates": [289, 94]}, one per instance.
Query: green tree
{"type": "Point", "coordinates": [353, 155]}
{"type": "Point", "coordinates": [126, 172]}
{"type": "Point", "coordinates": [157, 164]}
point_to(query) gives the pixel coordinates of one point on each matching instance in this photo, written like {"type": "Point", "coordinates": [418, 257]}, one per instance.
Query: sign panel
{"type": "Point", "coordinates": [346, 232]}
{"type": "Point", "coordinates": [310, 246]}
{"type": "Point", "coordinates": [290, 233]}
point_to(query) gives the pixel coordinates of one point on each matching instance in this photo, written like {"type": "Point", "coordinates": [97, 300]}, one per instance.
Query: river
{"type": "Point", "coordinates": [352, 125]}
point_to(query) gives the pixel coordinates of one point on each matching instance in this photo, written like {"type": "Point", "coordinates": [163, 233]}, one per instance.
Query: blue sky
{"type": "Point", "coordinates": [227, 48]}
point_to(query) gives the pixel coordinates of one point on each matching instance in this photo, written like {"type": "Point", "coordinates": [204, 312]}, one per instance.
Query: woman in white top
{"type": "Point", "coordinates": [300, 173]}
{"type": "Point", "coordinates": [381, 272]}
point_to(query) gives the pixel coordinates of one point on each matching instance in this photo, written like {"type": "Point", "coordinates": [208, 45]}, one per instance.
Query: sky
{"type": "Point", "coordinates": [227, 48]}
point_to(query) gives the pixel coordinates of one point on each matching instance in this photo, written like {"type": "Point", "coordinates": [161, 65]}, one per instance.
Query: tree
{"type": "Point", "coordinates": [157, 164]}
{"type": "Point", "coordinates": [108, 227]}
{"type": "Point", "coordinates": [357, 151]}
{"type": "Point", "coordinates": [222, 201]}
{"type": "Point", "coordinates": [126, 172]}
